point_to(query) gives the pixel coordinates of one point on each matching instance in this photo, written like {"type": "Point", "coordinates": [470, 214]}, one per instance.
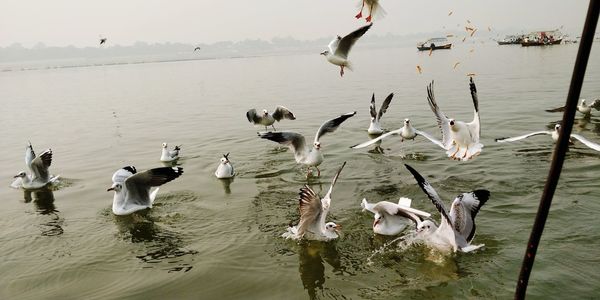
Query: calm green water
{"type": "Point", "coordinates": [205, 239]}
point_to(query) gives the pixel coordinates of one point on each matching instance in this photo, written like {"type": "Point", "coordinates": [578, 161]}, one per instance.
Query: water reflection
{"type": "Point", "coordinates": [162, 247]}
{"type": "Point", "coordinates": [376, 149]}
{"type": "Point", "coordinates": [226, 182]}
{"type": "Point", "coordinates": [43, 199]}
{"type": "Point", "coordinates": [312, 269]}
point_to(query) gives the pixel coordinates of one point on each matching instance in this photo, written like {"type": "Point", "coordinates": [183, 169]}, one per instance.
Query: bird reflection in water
{"type": "Point", "coordinates": [311, 266]}
{"type": "Point", "coordinates": [162, 247]}
{"type": "Point", "coordinates": [377, 149]}
{"type": "Point", "coordinates": [226, 182]}
{"type": "Point", "coordinates": [43, 199]}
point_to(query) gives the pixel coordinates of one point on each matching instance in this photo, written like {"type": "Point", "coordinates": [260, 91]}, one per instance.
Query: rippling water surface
{"type": "Point", "coordinates": [213, 239]}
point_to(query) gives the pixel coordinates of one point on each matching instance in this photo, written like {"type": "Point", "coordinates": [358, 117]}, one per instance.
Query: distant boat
{"type": "Point", "coordinates": [511, 40]}
{"type": "Point", "coordinates": [434, 44]}
{"type": "Point", "coordinates": [542, 38]}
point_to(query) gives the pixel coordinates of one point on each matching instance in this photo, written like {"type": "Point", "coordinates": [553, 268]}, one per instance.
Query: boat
{"type": "Point", "coordinates": [542, 38]}
{"type": "Point", "coordinates": [434, 44]}
{"type": "Point", "coordinates": [511, 40]}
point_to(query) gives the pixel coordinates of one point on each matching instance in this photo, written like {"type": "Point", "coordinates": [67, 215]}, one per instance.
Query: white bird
{"type": "Point", "coordinates": [374, 10]}
{"type": "Point", "coordinates": [460, 139]}
{"type": "Point", "coordinates": [554, 134]}
{"type": "Point", "coordinates": [225, 168]}
{"type": "Point", "coordinates": [132, 189]}
{"type": "Point", "coordinates": [339, 48]}
{"type": "Point", "coordinates": [389, 218]}
{"type": "Point", "coordinates": [313, 213]}
{"type": "Point", "coordinates": [267, 119]}
{"type": "Point", "coordinates": [583, 108]}
{"type": "Point", "coordinates": [457, 228]}
{"type": "Point", "coordinates": [309, 156]}
{"type": "Point", "coordinates": [38, 176]}
{"type": "Point", "coordinates": [169, 155]}
{"type": "Point", "coordinates": [375, 126]}
{"type": "Point", "coordinates": [406, 132]}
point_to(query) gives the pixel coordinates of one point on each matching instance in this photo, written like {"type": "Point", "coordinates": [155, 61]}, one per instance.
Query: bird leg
{"type": "Point", "coordinates": [359, 15]}
{"type": "Point", "coordinates": [273, 127]}
{"type": "Point", "coordinates": [318, 171]}
{"type": "Point", "coordinates": [307, 172]}
{"type": "Point", "coordinates": [342, 71]}
{"type": "Point", "coordinates": [454, 154]}
{"type": "Point", "coordinates": [266, 129]}
{"type": "Point", "coordinates": [368, 19]}
{"type": "Point", "coordinates": [466, 152]}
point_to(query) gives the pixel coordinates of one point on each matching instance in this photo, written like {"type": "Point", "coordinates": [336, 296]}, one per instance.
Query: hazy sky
{"type": "Point", "coordinates": [80, 22]}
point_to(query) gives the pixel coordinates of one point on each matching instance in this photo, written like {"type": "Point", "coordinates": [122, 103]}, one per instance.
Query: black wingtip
{"type": "Point", "coordinates": [226, 156]}
{"type": "Point", "coordinates": [499, 139]}
{"type": "Point", "coordinates": [415, 174]}
{"type": "Point", "coordinates": [130, 169]}
{"type": "Point", "coordinates": [482, 195]}
{"type": "Point", "coordinates": [472, 85]}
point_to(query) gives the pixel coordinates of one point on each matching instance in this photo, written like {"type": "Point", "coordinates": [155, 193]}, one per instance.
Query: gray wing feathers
{"type": "Point", "coordinates": [430, 192]}
{"type": "Point", "coordinates": [332, 125]}
{"type": "Point", "coordinates": [252, 116]}
{"type": "Point", "coordinates": [283, 113]}
{"type": "Point", "coordinates": [520, 137]}
{"type": "Point", "coordinates": [385, 105]}
{"type": "Point", "coordinates": [40, 165]}
{"type": "Point", "coordinates": [372, 109]}
{"type": "Point", "coordinates": [310, 209]}
{"type": "Point", "coordinates": [294, 141]}
{"type": "Point", "coordinates": [475, 124]}
{"type": "Point", "coordinates": [333, 181]}
{"type": "Point", "coordinates": [442, 120]}
{"type": "Point", "coordinates": [346, 43]}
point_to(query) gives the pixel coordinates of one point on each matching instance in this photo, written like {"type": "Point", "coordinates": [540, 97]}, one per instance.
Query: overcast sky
{"type": "Point", "coordinates": [80, 22]}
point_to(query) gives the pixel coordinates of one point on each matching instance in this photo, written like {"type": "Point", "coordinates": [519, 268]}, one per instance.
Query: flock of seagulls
{"type": "Point", "coordinates": [455, 231]}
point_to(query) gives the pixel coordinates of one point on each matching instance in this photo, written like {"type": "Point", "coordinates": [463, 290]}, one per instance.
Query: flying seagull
{"type": "Point", "coordinates": [102, 41]}
{"type": "Point", "coordinates": [309, 156]}
{"type": "Point", "coordinates": [389, 217]}
{"type": "Point", "coordinates": [457, 228]}
{"type": "Point", "coordinates": [339, 48]}
{"type": "Point", "coordinates": [374, 10]}
{"type": "Point", "coordinates": [197, 49]}
{"type": "Point", "coordinates": [38, 175]}
{"type": "Point", "coordinates": [225, 168]}
{"type": "Point", "coordinates": [132, 189]}
{"type": "Point", "coordinates": [375, 127]}
{"type": "Point", "coordinates": [583, 108]}
{"type": "Point", "coordinates": [406, 132]}
{"type": "Point", "coordinates": [313, 213]}
{"type": "Point", "coordinates": [460, 139]}
{"type": "Point", "coordinates": [554, 134]}
{"type": "Point", "coordinates": [169, 155]}
{"type": "Point", "coordinates": [266, 119]}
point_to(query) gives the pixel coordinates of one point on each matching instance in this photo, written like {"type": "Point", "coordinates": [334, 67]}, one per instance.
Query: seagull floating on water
{"type": "Point", "coordinates": [390, 217]}
{"type": "Point", "coordinates": [583, 108]}
{"type": "Point", "coordinates": [132, 189]}
{"type": "Point", "coordinates": [38, 176]}
{"type": "Point", "coordinates": [554, 134]}
{"type": "Point", "coordinates": [460, 139]}
{"type": "Point", "coordinates": [406, 132]}
{"type": "Point", "coordinates": [457, 228]}
{"type": "Point", "coordinates": [309, 156]}
{"type": "Point", "coordinates": [374, 10]}
{"type": "Point", "coordinates": [268, 120]}
{"type": "Point", "coordinates": [375, 126]}
{"type": "Point", "coordinates": [313, 213]}
{"type": "Point", "coordinates": [169, 155]}
{"type": "Point", "coordinates": [225, 168]}
{"type": "Point", "coordinates": [339, 48]}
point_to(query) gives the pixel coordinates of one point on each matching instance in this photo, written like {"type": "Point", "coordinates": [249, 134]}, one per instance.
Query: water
{"type": "Point", "coordinates": [208, 239]}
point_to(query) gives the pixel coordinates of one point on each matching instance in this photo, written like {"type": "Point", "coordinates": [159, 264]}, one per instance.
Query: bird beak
{"type": "Point", "coordinates": [16, 176]}
{"type": "Point", "coordinates": [110, 189]}
{"type": "Point", "coordinates": [337, 228]}
{"type": "Point", "coordinates": [323, 53]}
{"type": "Point", "coordinates": [375, 222]}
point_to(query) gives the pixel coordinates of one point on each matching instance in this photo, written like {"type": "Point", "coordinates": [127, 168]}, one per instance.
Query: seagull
{"type": "Point", "coordinates": [266, 119]}
{"type": "Point", "coordinates": [225, 168]}
{"type": "Point", "coordinates": [339, 48]}
{"type": "Point", "coordinates": [169, 155]}
{"type": "Point", "coordinates": [38, 176]}
{"type": "Point", "coordinates": [554, 134]}
{"type": "Point", "coordinates": [375, 127]}
{"type": "Point", "coordinates": [102, 41]}
{"type": "Point", "coordinates": [132, 189]}
{"type": "Point", "coordinates": [197, 49]}
{"type": "Point", "coordinates": [457, 228]}
{"type": "Point", "coordinates": [374, 9]}
{"type": "Point", "coordinates": [583, 108]}
{"type": "Point", "coordinates": [312, 157]}
{"type": "Point", "coordinates": [389, 217]}
{"type": "Point", "coordinates": [460, 139]}
{"type": "Point", "coordinates": [313, 212]}
{"type": "Point", "coordinates": [406, 132]}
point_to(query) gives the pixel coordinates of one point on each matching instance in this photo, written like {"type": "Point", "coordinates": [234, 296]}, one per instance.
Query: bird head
{"type": "Point", "coordinates": [582, 101]}
{"type": "Point", "coordinates": [426, 226]}
{"type": "Point", "coordinates": [406, 122]}
{"type": "Point", "coordinates": [117, 187]}
{"type": "Point", "coordinates": [378, 219]}
{"type": "Point", "coordinates": [225, 158]}
{"type": "Point", "coordinates": [20, 175]}
{"type": "Point", "coordinates": [317, 145]}
{"type": "Point", "coordinates": [265, 112]}
{"type": "Point", "coordinates": [164, 145]}
{"type": "Point", "coordinates": [452, 122]}
{"type": "Point", "coordinates": [557, 127]}
{"type": "Point", "coordinates": [325, 52]}
{"type": "Point", "coordinates": [332, 227]}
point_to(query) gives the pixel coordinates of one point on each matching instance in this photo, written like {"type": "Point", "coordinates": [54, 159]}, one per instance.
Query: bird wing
{"type": "Point", "coordinates": [430, 138]}
{"type": "Point", "coordinates": [138, 185]}
{"type": "Point", "coordinates": [389, 208]}
{"type": "Point", "coordinates": [121, 174]}
{"type": "Point", "coordinates": [252, 116]}
{"type": "Point", "coordinates": [346, 43]}
{"type": "Point", "coordinates": [385, 105]}
{"type": "Point", "coordinates": [29, 156]}
{"type": "Point", "coordinates": [586, 141]}
{"type": "Point", "coordinates": [377, 139]}
{"type": "Point", "coordinates": [431, 194]}
{"type": "Point", "coordinates": [558, 109]}
{"type": "Point", "coordinates": [283, 113]}
{"type": "Point", "coordinates": [474, 126]}
{"type": "Point", "coordinates": [327, 198]}
{"type": "Point", "coordinates": [464, 209]}
{"type": "Point", "coordinates": [294, 141]}
{"type": "Point", "coordinates": [442, 120]}
{"type": "Point", "coordinates": [40, 165]}
{"type": "Point", "coordinates": [310, 210]}
{"type": "Point", "coordinates": [595, 104]}
{"type": "Point", "coordinates": [334, 44]}
{"type": "Point", "coordinates": [372, 108]}
{"type": "Point", "coordinates": [520, 137]}
{"type": "Point", "coordinates": [332, 125]}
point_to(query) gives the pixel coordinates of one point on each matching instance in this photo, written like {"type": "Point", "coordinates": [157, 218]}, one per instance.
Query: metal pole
{"type": "Point", "coordinates": [562, 145]}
